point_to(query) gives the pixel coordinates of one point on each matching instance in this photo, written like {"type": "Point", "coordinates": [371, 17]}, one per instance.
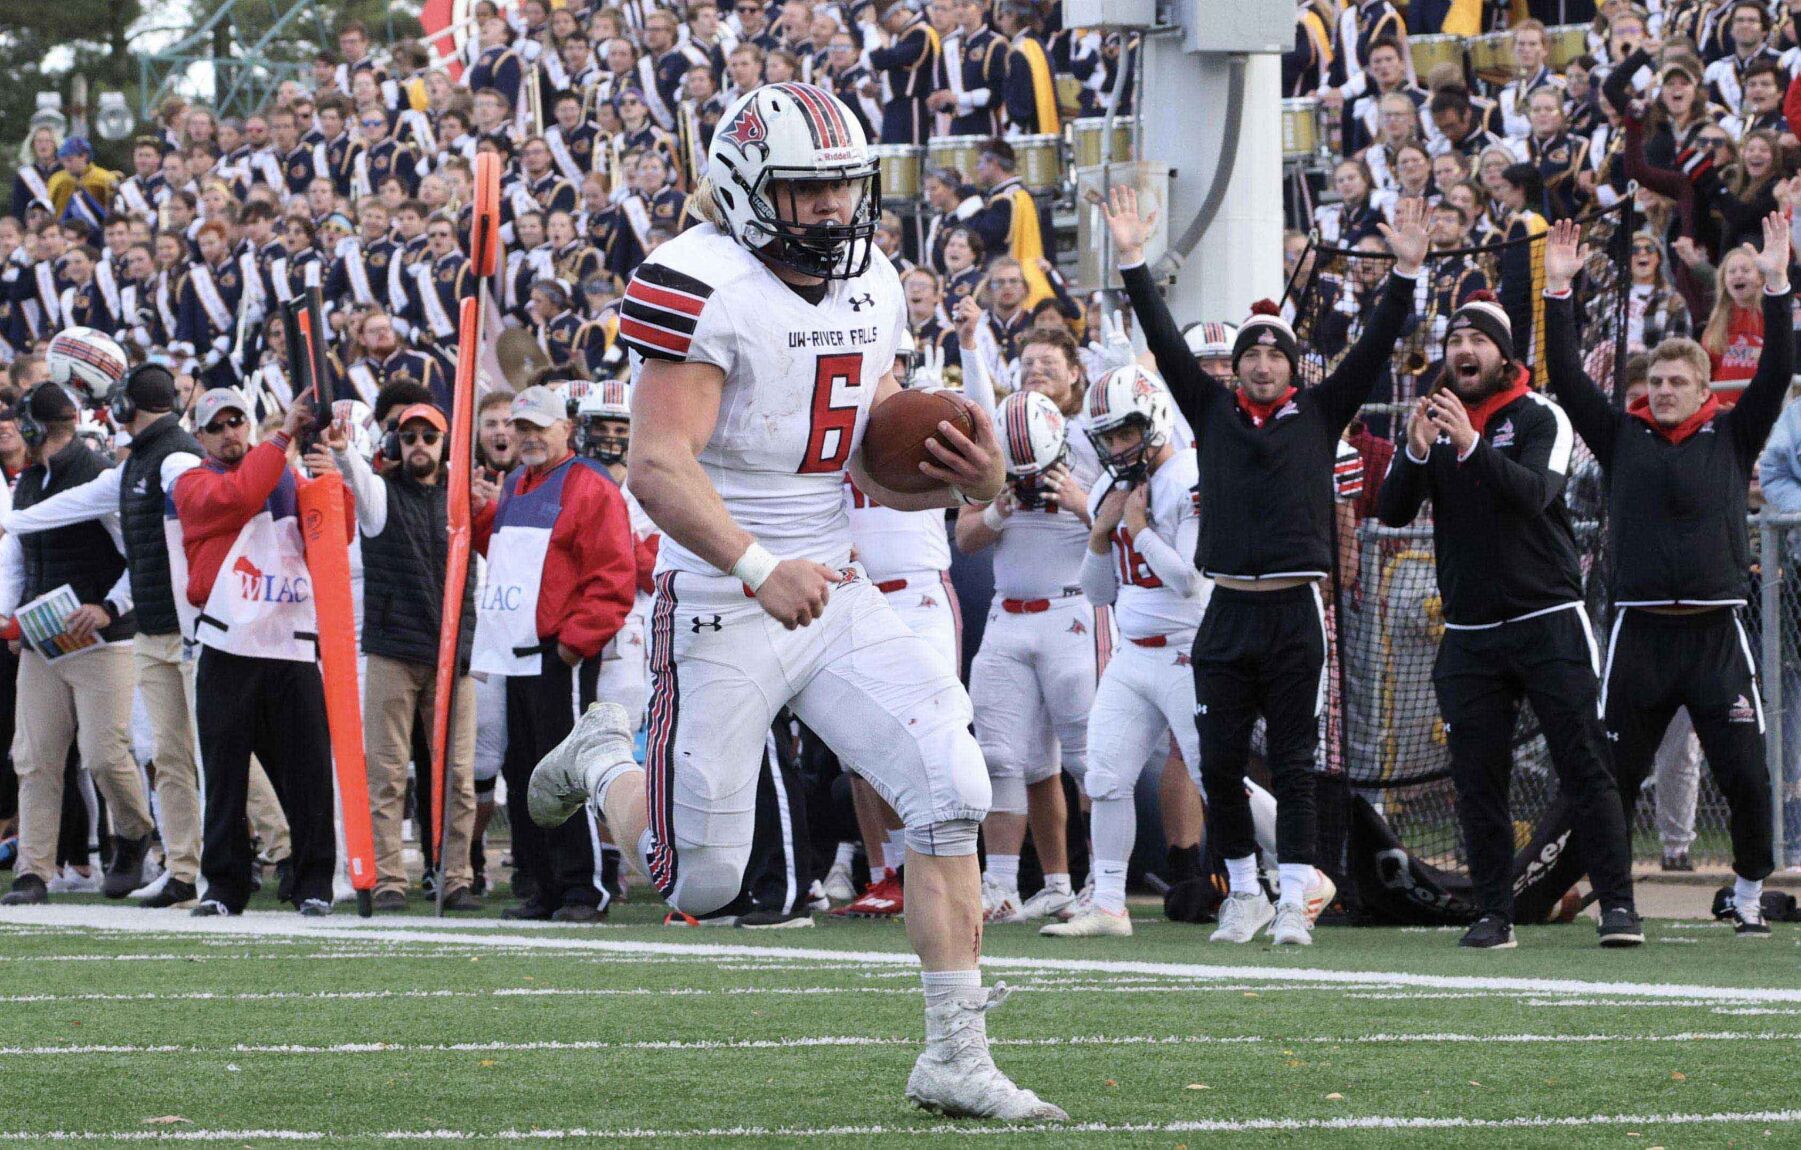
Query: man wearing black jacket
{"type": "Point", "coordinates": [1492, 455]}
{"type": "Point", "coordinates": [1678, 467]}
{"type": "Point", "coordinates": [1267, 453]}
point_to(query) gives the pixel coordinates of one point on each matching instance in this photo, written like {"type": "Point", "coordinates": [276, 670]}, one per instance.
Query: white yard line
{"type": "Point", "coordinates": [1426, 1039]}
{"type": "Point", "coordinates": [1197, 1126]}
{"type": "Point", "coordinates": [289, 926]}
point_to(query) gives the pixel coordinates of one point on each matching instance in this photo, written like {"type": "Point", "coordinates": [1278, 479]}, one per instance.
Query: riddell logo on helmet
{"type": "Point", "coordinates": [748, 128]}
{"type": "Point", "coordinates": [838, 156]}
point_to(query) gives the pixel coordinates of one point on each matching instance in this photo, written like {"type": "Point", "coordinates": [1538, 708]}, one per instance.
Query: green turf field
{"type": "Point", "coordinates": [119, 1025]}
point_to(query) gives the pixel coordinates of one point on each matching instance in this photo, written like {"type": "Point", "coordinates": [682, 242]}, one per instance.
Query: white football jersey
{"type": "Point", "coordinates": [1146, 606]}
{"type": "Point", "coordinates": [891, 543]}
{"type": "Point", "coordinates": [1039, 555]}
{"type": "Point", "coordinates": [799, 381]}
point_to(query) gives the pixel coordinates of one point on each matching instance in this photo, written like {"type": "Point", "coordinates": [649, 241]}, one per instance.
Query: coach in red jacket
{"type": "Point", "coordinates": [562, 570]}
{"type": "Point", "coordinates": [257, 688]}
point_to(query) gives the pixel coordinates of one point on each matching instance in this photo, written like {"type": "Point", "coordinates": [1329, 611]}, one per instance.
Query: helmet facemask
{"type": "Point", "coordinates": [594, 440]}
{"type": "Point", "coordinates": [1130, 465]}
{"type": "Point", "coordinates": [828, 251]}
{"type": "Point", "coordinates": [1029, 489]}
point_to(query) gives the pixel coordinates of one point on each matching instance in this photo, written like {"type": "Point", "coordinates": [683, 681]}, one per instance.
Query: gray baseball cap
{"type": "Point", "coordinates": [538, 405]}
{"type": "Point", "coordinates": [218, 399]}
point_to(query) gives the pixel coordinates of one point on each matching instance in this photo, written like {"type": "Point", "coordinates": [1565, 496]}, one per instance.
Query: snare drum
{"type": "Point", "coordinates": [902, 169]}
{"type": "Point", "coordinates": [958, 152]}
{"type": "Point", "coordinates": [1069, 95]}
{"type": "Point", "coordinates": [1040, 161]}
{"type": "Point", "coordinates": [1430, 50]}
{"type": "Point", "coordinates": [1492, 56]}
{"type": "Point", "coordinates": [1300, 128]}
{"type": "Point", "coordinates": [1091, 145]}
{"type": "Point", "coordinates": [1563, 43]}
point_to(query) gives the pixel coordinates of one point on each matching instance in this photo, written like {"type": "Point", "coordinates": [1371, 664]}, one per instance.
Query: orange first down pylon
{"type": "Point", "coordinates": [322, 511]}
{"type": "Point", "coordinates": [484, 260]}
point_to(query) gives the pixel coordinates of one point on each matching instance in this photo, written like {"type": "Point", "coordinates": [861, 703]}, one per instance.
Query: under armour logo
{"type": "Point", "coordinates": [701, 621]}
{"type": "Point", "coordinates": [859, 302]}
{"type": "Point", "coordinates": [1613, 736]}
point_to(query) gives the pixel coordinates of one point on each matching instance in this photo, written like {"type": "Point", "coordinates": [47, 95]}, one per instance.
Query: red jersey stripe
{"type": "Point", "coordinates": [631, 330]}
{"type": "Point", "coordinates": [665, 298]}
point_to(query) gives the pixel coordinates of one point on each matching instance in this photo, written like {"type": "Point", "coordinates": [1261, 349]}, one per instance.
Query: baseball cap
{"type": "Point", "coordinates": [216, 400]}
{"type": "Point", "coordinates": [74, 146]}
{"type": "Point", "coordinates": [538, 405]}
{"type": "Point", "coordinates": [428, 412]}
{"type": "Point", "coordinates": [1680, 64]}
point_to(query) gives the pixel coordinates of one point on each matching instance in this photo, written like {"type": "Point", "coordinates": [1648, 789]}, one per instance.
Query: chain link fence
{"type": "Point", "coordinates": [1388, 738]}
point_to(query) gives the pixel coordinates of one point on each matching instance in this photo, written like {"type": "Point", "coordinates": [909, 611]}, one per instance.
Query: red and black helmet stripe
{"type": "Point", "coordinates": [1019, 433]}
{"type": "Point", "coordinates": [824, 120]}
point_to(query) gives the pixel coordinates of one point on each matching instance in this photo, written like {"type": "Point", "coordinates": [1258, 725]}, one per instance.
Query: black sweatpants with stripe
{"type": "Point", "coordinates": [541, 711]}
{"type": "Point", "coordinates": [1481, 677]}
{"type": "Point", "coordinates": [1260, 652]}
{"type": "Point", "coordinates": [1657, 663]}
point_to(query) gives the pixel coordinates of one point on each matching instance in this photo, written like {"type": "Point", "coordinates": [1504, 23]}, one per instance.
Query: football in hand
{"type": "Point", "coordinates": [894, 443]}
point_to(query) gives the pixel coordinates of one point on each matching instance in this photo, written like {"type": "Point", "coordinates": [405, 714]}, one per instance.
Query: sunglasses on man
{"type": "Point", "coordinates": [229, 422]}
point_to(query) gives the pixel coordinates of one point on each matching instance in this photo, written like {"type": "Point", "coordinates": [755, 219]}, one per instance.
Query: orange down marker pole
{"type": "Point", "coordinates": [484, 260]}
{"type": "Point", "coordinates": [322, 509]}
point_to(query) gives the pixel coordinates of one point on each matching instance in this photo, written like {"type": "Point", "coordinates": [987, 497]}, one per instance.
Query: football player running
{"type": "Point", "coordinates": [765, 336]}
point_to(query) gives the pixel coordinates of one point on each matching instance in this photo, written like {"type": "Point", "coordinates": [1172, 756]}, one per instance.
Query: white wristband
{"type": "Point", "coordinates": [754, 566]}
{"type": "Point", "coordinates": [992, 517]}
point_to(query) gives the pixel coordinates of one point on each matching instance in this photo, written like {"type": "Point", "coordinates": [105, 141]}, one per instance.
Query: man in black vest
{"type": "Point", "coordinates": [1678, 466]}
{"type": "Point", "coordinates": [83, 697]}
{"type": "Point", "coordinates": [403, 514]}
{"type": "Point", "coordinates": [1493, 455]}
{"type": "Point", "coordinates": [143, 403]}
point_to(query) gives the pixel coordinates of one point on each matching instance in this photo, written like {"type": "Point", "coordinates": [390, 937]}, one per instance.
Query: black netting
{"type": "Point", "coordinates": [1384, 731]}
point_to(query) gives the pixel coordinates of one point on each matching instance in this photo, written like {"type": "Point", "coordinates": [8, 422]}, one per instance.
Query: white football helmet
{"type": "Point", "coordinates": [1126, 397]}
{"type": "Point", "coordinates": [1209, 339]}
{"type": "Point", "coordinates": [603, 400]}
{"type": "Point", "coordinates": [794, 133]}
{"type": "Point", "coordinates": [1034, 438]}
{"type": "Point", "coordinates": [88, 361]}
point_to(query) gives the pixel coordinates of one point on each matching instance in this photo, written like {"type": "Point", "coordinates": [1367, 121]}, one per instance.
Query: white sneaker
{"type": "Point", "coordinates": [838, 886]}
{"type": "Point", "coordinates": [816, 899]}
{"type": "Point", "coordinates": [956, 1076]}
{"type": "Point", "coordinates": [1084, 900]}
{"type": "Point", "coordinates": [151, 889]}
{"type": "Point", "coordinates": [1094, 922]}
{"type": "Point", "coordinates": [1291, 927]}
{"type": "Point", "coordinates": [998, 903]}
{"type": "Point", "coordinates": [1320, 893]}
{"type": "Point", "coordinates": [72, 881]}
{"type": "Point", "coordinates": [559, 783]}
{"type": "Point", "coordinates": [1046, 903]}
{"type": "Point", "coordinates": [1241, 916]}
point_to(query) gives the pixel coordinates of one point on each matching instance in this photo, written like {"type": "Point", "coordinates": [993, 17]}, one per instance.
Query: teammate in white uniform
{"type": "Point", "coordinates": [907, 554]}
{"type": "Point", "coordinates": [764, 337]}
{"type": "Point", "coordinates": [603, 432]}
{"type": "Point", "coordinates": [1144, 530]}
{"type": "Point", "coordinates": [1044, 646]}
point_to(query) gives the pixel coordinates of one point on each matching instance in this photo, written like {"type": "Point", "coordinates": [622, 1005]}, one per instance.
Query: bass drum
{"type": "Point", "coordinates": [1040, 162]}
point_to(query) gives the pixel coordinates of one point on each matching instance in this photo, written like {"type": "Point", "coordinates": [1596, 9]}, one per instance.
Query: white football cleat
{"type": "Point", "coordinates": [1320, 893]}
{"type": "Point", "coordinates": [1084, 900]}
{"type": "Point", "coordinates": [1046, 903]}
{"type": "Point", "coordinates": [999, 904]}
{"type": "Point", "coordinates": [956, 1076]}
{"type": "Point", "coordinates": [1291, 927]}
{"type": "Point", "coordinates": [1094, 922]}
{"type": "Point", "coordinates": [72, 881]}
{"type": "Point", "coordinates": [816, 898]}
{"type": "Point", "coordinates": [1241, 916]}
{"type": "Point", "coordinates": [559, 784]}
{"type": "Point", "coordinates": [838, 886]}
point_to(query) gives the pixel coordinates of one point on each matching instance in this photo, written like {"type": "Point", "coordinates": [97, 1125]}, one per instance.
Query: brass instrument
{"type": "Point", "coordinates": [1418, 359]}
{"type": "Point", "coordinates": [534, 100]}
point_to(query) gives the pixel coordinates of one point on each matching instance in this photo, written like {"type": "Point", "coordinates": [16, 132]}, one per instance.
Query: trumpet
{"type": "Point", "coordinates": [1418, 357]}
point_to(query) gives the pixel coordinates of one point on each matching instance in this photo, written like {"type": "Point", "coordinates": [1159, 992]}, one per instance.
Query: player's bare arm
{"type": "Point", "coordinates": [674, 409]}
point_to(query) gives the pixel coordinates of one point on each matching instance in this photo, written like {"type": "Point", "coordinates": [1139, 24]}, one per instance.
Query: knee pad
{"type": "Point", "coordinates": [1009, 795]}
{"type": "Point", "coordinates": [1103, 783]}
{"type": "Point", "coordinates": [948, 839]}
{"type": "Point", "coordinates": [706, 878]}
